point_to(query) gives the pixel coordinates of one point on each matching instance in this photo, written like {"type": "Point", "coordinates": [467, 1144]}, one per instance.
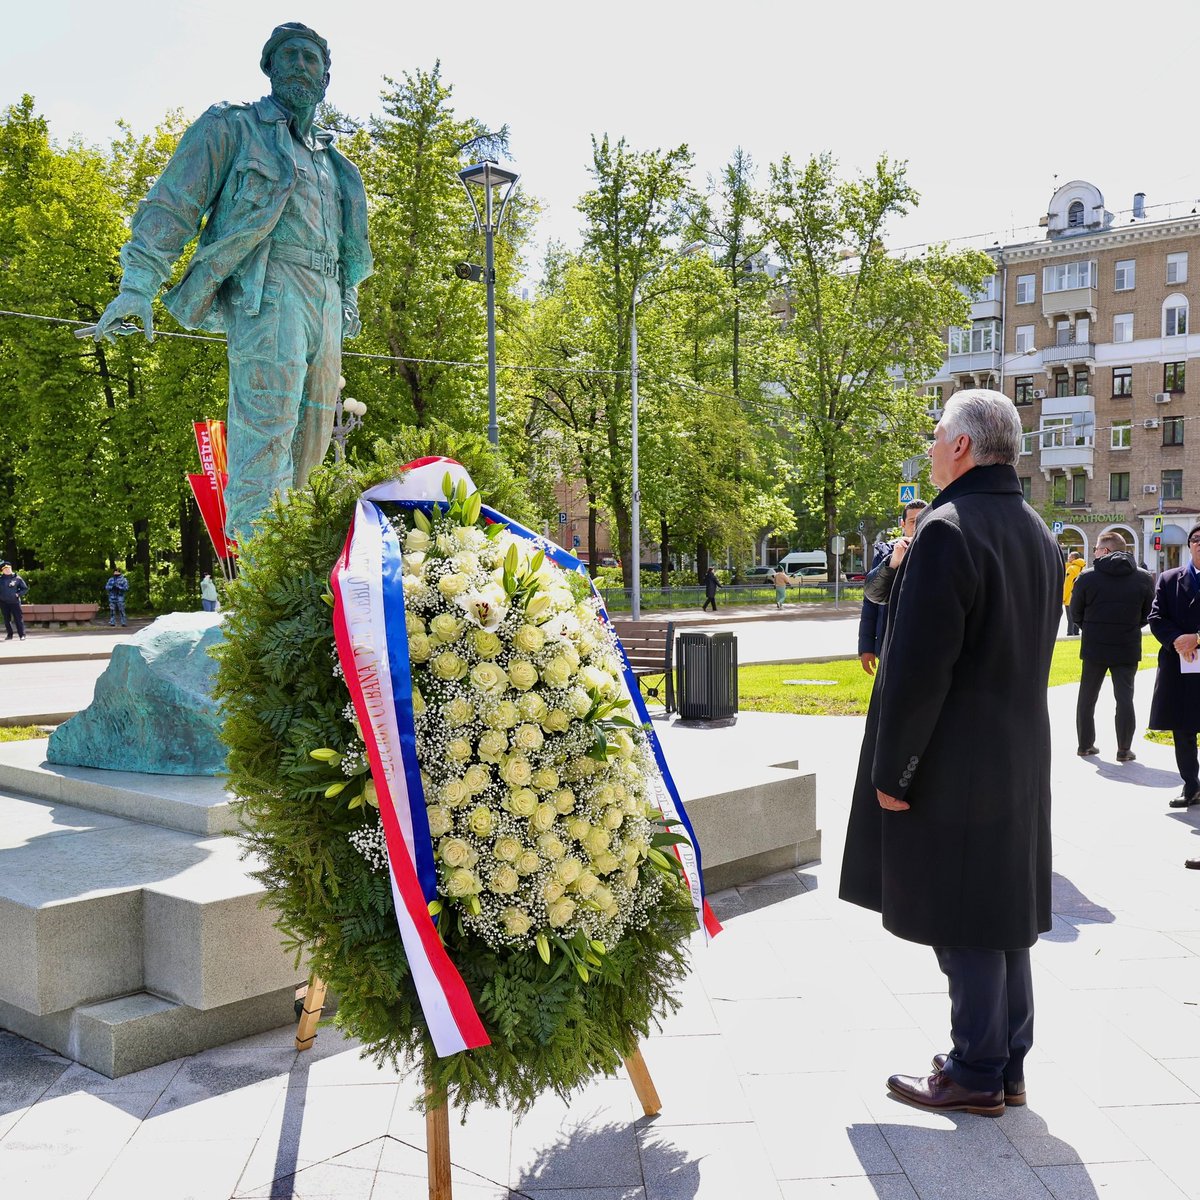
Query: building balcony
{"type": "Point", "coordinates": [973, 364]}
{"type": "Point", "coordinates": [986, 310]}
{"type": "Point", "coordinates": [1072, 352]}
{"type": "Point", "coordinates": [1068, 458]}
{"type": "Point", "coordinates": [1069, 302]}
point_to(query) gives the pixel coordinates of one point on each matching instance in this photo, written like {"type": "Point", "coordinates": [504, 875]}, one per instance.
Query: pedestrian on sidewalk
{"type": "Point", "coordinates": [710, 590]}
{"type": "Point", "coordinates": [782, 581]}
{"type": "Point", "coordinates": [949, 834]}
{"type": "Point", "coordinates": [12, 591]}
{"type": "Point", "coordinates": [872, 621]}
{"type": "Point", "coordinates": [1075, 566]}
{"type": "Point", "coordinates": [1110, 602]}
{"type": "Point", "coordinates": [1175, 622]}
{"type": "Point", "coordinates": [116, 587]}
{"type": "Point", "coordinates": [208, 593]}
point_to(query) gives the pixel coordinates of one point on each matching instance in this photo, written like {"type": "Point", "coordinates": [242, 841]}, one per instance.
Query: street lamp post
{"type": "Point", "coordinates": [635, 498]}
{"type": "Point", "coordinates": [347, 417]}
{"type": "Point", "coordinates": [485, 177]}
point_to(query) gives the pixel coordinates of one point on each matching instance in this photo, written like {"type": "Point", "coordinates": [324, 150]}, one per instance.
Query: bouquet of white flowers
{"type": "Point", "coordinates": [534, 778]}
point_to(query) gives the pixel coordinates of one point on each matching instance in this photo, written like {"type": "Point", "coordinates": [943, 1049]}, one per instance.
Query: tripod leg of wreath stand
{"type": "Point", "coordinates": [437, 1145]}
{"type": "Point", "coordinates": [310, 1014]}
{"type": "Point", "coordinates": [639, 1076]}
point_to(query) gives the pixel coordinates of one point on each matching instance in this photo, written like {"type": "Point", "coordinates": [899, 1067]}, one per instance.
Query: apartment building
{"type": "Point", "coordinates": [1088, 330]}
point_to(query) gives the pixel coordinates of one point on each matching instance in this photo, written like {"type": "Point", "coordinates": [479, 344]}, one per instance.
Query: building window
{"type": "Point", "coordinates": [1123, 327]}
{"type": "Point", "coordinates": [1172, 428]}
{"type": "Point", "coordinates": [987, 291]}
{"type": "Point", "coordinates": [1126, 274]}
{"type": "Point", "coordinates": [1023, 341]}
{"type": "Point", "coordinates": [1079, 488]}
{"type": "Point", "coordinates": [1058, 489]}
{"type": "Point", "coordinates": [1064, 277]}
{"type": "Point", "coordinates": [983, 335]}
{"type": "Point", "coordinates": [1121, 435]}
{"type": "Point", "coordinates": [1172, 485]}
{"type": "Point", "coordinates": [1177, 268]}
{"type": "Point", "coordinates": [1118, 485]}
{"type": "Point", "coordinates": [1025, 289]}
{"type": "Point", "coordinates": [1027, 442]}
{"type": "Point", "coordinates": [1173, 374]}
{"type": "Point", "coordinates": [1083, 383]}
{"type": "Point", "coordinates": [1062, 383]}
{"type": "Point", "coordinates": [1064, 334]}
{"type": "Point", "coordinates": [1075, 214]}
{"type": "Point", "coordinates": [1067, 429]}
{"type": "Point", "coordinates": [1122, 381]}
{"type": "Point", "coordinates": [1023, 393]}
{"type": "Point", "coordinates": [1175, 318]}
{"type": "Point", "coordinates": [1026, 487]}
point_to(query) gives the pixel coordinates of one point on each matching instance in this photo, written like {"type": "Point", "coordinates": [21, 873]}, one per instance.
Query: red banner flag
{"type": "Point", "coordinates": [213, 513]}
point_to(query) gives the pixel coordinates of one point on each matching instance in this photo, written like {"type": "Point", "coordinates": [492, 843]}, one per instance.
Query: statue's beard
{"type": "Point", "coordinates": [297, 92]}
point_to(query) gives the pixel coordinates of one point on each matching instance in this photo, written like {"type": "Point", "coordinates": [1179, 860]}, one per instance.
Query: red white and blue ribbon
{"type": "Point", "coordinates": [372, 644]}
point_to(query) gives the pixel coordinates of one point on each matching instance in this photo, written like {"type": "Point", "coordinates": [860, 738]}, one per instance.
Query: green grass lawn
{"type": "Point", "coordinates": [21, 733]}
{"type": "Point", "coordinates": [843, 688]}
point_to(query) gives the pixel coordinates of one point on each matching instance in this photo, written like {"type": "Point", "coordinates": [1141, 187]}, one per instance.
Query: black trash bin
{"type": "Point", "coordinates": [707, 676]}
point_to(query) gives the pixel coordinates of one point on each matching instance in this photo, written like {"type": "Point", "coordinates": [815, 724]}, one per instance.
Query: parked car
{"type": "Point", "coordinates": [813, 574]}
{"type": "Point", "coordinates": [855, 576]}
{"type": "Point", "coordinates": [754, 573]}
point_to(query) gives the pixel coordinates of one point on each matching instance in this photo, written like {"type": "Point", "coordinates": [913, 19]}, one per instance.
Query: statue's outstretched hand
{"type": "Point", "coordinates": [351, 322]}
{"type": "Point", "coordinates": [127, 304]}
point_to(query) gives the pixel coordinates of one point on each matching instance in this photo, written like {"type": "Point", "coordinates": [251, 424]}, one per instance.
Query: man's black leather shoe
{"type": "Point", "coordinates": [939, 1093]}
{"type": "Point", "coordinates": [1085, 751]}
{"type": "Point", "coordinates": [1183, 800]}
{"type": "Point", "coordinates": [1192, 864]}
{"type": "Point", "coordinates": [1126, 756]}
{"type": "Point", "coordinates": [1014, 1090]}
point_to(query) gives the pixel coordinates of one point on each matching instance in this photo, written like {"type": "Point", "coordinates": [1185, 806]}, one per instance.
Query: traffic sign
{"type": "Point", "coordinates": [1158, 524]}
{"type": "Point", "coordinates": [562, 518]}
{"type": "Point", "coordinates": [909, 492]}
{"type": "Point", "coordinates": [837, 544]}
{"type": "Point", "coordinates": [1056, 528]}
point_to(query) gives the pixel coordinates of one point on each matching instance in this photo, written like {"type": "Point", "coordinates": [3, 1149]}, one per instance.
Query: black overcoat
{"type": "Point", "coordinates": [958, 727]}
{"type": "Point", "coordinates": [1176, 610]}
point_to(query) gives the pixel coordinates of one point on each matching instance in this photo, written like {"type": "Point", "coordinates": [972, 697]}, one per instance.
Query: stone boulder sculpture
{"type": "Point", "coordinates": [153, 710]}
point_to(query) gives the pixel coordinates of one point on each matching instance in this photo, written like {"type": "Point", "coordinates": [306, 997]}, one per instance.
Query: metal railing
{"type": "Point", "coordinates": [730, 595]}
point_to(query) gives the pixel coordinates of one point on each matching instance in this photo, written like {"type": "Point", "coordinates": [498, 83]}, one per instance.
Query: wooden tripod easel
{"type": "Point", "coordinates": [437, 1110]}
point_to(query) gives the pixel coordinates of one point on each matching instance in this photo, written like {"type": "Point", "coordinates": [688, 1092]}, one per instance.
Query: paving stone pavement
{"type": "Point", "coordinates": [772, 1074]}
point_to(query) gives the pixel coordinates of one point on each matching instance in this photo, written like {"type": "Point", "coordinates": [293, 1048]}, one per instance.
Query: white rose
{"type": "Point", "coordinates": [528, 737]}
{"type": "Point", "coordinates": [492, 745]}
{"type": "Point", "coordinates": [613, 817]}
{"type": "Point", "coordinates": [453, 585]}
{"type": "Point", "coordinates": [503, 715]}
{"type": "Point", "coordinates": [543, 818]}
{"type": "Point", "coordinates": [586, 884]}
{"type": "Point", "coordinates": [529, 639]}
{"type": "Point", "coordinates": [416, 540]}
{"type": "Point", "coordinates": [545, 779]}
{"type": "Point", "coordinates": [515, 770]}
{"type": "Point", "coordinates": [445, 627]}
{"type": "Point", "coordinates": [459, 749]}
{"type": "Point", "coordinates": [448, 666]}
{"type": "Point", "coordinates": [488, 677]}
{"type": "Point", "coordinates": [413, 624]}
{"type": "Point", "coordinates": [487, 645]}
{"type": "Point", "coordinates": [419, 648]}
{"type": "Point", "coordinates": [506, 849]}
{"type": "Point", "coordinates": [454, 852]}
{"type": "Point", "coordinates": [528, 861]}
{"type": "Point", "coordinates": [516, 922]}
{"type": "Point", "coordinates": [561, 911]}
{"type": "Point", "coordinates": [564, 800]}
{"type": "Point", "coordinates": [530, 706]}
{"type": "Point", "coordinates": [523, 674]}
{"type": "Point", "coordinates": [551, 847]}
{"type": "Point", "coordinates": [414, 564]}
{"type": "Point", "coordinates": [557, 672]}
{"type": "Point", "coordinates": [477, 778]}
{"type": "Point", "coordinates": [469, 537]}
{"type": "Point", "coordinates": [567, 870]}
{"type": "Point", "coordinates": [606, 863]}
{"type": "Point", "coordinates": [552, 890]}
{"type": "Point", "coordinates": [522, 802]}
{"type": "Point", "coordinates": [454, 792]}
{"type": "Point", "coordinates": [481, 821]}
{"type": "Point", "coordinates": [504, 881]}
{"type": "Point", "coordinates": [557, 721]}
{"type": "Point", "coordinates": [458, 711]}
{"type": "Point", "coordinates": [579, 703]}
{"type": "Point", "coordinates": [596, 840]}
{"type": "Point", "coordinates": [465, 563]}
{"type": "Point", "coordinates": [439, 820]}
{"type": "Point", "coordinates": [462, 883]}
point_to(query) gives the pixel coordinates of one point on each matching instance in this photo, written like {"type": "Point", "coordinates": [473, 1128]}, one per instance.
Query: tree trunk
{"type": "Point", "coordinates": [665, 552]}
{"type": "Point", "coordinates": [701, 559]}
{"type": "Point", "coordinates": [141, 549]}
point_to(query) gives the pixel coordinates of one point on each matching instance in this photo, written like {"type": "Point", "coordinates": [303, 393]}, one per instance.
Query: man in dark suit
{"type": "Point", "coordinates": [872, 620]}
{"type": "Point", "coordinates": [1175, 621]}
{"type": "Point", "coordinates": [1110, 601]}
{"type": "Point", "coordinates": [949, 835]}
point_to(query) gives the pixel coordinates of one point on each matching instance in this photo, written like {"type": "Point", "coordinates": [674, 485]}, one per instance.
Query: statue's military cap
{"type": "Point", "coordinates": [291, 29]}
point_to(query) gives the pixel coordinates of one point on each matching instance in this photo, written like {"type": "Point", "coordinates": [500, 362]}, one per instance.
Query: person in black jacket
{"type": "Point", "coordinates": [872, 621]}
{"type": "Point", "coordinates": [1111, 602]}
{"type": "Point", "coordinates": [12, 591]}
{"type": "Point", "coordinates": [949, 832]}
{"type": "Point", "coordinates": [710, 590]}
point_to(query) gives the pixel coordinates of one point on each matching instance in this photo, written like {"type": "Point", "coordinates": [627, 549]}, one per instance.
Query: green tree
{"type": "Point", "coordinates": [863, 329]}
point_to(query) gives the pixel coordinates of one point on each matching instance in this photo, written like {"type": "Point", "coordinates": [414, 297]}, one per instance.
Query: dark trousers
{"type": "Point", "coordinates": [707, 601]}
{"type": "Point", "coordinates": [1071, 626]}
{"type": "Point", "coordinates": [13, 615]}
{"type": "Point", "coordinates": [1090, 679]}
{"type": "Point", "coordinates": [991, 1015]}
{"type": "Point", "coordinates": [1185, 760]}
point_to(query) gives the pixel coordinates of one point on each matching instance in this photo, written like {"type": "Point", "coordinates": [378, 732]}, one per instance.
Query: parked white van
{"type": "Point", "coordinates": [812, 565]}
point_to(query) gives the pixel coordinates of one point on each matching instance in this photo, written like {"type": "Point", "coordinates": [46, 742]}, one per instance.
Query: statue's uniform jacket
{"type": "Point", "coordinates": [234, 172]}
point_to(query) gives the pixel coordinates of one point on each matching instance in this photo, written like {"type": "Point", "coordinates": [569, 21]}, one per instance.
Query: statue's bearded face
{"type": "Point", "coordinates": [298, 76]}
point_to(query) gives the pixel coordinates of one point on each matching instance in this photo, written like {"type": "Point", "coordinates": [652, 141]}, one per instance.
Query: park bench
{"type": "Point", "coordinates": [650, 648]}
{"type": "Point", "coordinates": [52, 616]}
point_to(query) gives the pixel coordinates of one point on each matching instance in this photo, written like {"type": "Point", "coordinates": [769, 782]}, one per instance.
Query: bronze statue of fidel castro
{"type": "Point", "coordinates": [280, 257]}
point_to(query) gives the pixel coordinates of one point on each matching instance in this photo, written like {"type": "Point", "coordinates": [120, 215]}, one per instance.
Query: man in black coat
{"type": "Point", "coordinates": [1175, 621]}
{"type": "Point", "coordinates": [872, 620]}
{"type": "Point", "coordinates": [949, 835]}
{"type": "Point", "coordinates": [12, 592]}
{"type": "Point", "coordinates": [1111, 601]}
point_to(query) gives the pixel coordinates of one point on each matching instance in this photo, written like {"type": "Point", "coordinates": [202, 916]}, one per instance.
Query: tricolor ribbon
{"type": "Point", "coordinates": [372, 644]}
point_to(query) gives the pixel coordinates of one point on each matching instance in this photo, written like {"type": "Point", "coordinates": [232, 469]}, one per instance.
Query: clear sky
{"type": "Point", "coordinates": [990, 104]}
